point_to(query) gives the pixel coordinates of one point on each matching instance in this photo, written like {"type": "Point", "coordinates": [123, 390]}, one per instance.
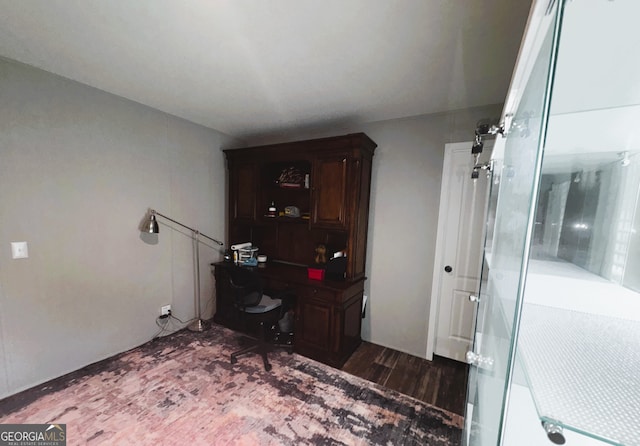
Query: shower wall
{"type": "Point", "coordinates": [588, 217]}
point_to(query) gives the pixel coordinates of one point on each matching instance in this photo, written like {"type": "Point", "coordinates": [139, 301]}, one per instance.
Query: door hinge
{"type": "Point", "coordinates": [488, 166]}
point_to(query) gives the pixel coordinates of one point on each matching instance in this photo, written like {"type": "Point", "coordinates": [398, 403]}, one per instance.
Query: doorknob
{"type": "Point", "coordinates": [448, 269]}
{"type": "Point", "coordinates": [482, 362]}
{"type": "Point", "coordinates": [473, 298]}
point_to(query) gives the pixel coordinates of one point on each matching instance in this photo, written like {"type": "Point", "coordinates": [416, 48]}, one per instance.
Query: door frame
{"type": "Point", "coordinates": [438, 263]}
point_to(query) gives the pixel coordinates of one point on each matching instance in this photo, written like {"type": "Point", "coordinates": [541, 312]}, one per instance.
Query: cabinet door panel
{"type": "Point", "coordinates": [315, 325]}
{"type": "Point", "coordinates": [329, 194]}
{"type": "Point", "coordinates": [244, 192]}
{"type": "Point", "coordinates": [352, 324]}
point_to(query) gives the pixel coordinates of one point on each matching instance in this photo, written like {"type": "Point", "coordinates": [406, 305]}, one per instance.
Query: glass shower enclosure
{"type": "Point", "coordinates": [556, 355]}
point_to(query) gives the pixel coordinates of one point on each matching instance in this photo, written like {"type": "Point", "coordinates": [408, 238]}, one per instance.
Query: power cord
{"type": "Point", "coordinates": [167, 322]}
{"type": "Point", "coordinates": [168, 325]}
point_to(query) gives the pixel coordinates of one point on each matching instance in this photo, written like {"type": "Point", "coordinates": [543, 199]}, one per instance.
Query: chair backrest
{"type": "Point", "coordinates": [247, 286]}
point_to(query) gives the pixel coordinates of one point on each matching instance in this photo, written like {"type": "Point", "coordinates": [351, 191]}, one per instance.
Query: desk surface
{"type": "Point", "coordinates": [294, 274]}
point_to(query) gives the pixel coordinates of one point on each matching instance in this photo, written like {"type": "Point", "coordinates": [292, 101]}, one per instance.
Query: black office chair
{"type": "Point", "coordinates": [255, 306]}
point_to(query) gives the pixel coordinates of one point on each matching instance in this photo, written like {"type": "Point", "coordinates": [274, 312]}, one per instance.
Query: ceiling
{"type": "Point", "coordinates": [252, 68]}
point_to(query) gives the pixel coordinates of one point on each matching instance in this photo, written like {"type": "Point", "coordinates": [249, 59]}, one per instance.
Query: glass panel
{"type": "Point", "coordinates": [579, 338]}
{"type": "Point", "coordinates": [516, 172]}
{"type": "Point", "coordinates": [474, 419]}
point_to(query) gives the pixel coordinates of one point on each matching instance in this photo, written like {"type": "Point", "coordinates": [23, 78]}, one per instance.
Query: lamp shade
{"type": "Point", "coordinates": [151, 225]}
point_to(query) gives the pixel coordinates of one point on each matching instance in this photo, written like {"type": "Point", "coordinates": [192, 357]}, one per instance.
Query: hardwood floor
{"type": "Point", "coordinates": [441, 382]}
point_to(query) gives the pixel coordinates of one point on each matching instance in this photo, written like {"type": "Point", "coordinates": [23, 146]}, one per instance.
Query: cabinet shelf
{"type": "Point", "coordinates": [285, 220]}
{"type": "Point", "coordinates": [580, 356]}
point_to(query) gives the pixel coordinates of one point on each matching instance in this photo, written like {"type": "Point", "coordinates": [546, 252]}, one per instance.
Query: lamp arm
{"type": "Point", "coordinates": [153, 211]}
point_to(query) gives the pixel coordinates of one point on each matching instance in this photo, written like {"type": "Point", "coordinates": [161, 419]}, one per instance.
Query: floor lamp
{"type": "Point", "coordinates": [150, 225]}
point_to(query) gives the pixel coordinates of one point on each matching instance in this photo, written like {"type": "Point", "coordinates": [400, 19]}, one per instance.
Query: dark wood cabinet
{"type": "Point", "coordinates": [327, 180]}
{"type": "Point", "coordinates": [328, 322]}
{"type": "Point", "coordinates": [326, 184]}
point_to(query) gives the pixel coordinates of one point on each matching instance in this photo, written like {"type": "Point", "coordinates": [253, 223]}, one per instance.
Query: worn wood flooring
{"type": "Point", "coordinates": [441, 382]}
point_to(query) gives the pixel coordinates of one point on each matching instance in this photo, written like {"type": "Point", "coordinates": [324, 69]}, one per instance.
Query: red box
{"type": "Point", "coordinates": [315, 273]}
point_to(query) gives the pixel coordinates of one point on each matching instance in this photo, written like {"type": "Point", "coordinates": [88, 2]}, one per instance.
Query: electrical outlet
{"type": "Point", "coordinates": [165, 310]}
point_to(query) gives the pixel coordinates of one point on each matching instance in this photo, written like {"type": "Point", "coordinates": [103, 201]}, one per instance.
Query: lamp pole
{"type": "Point", "coordinates": [152, 226]}
{"type": "Point", "coordinates": [197, 324]}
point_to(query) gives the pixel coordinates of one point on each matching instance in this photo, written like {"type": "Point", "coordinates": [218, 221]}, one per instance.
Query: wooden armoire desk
{"type": "Point", "coordinates": [327, 182]}
{"type": "Point", "coordinates": [327, 316]}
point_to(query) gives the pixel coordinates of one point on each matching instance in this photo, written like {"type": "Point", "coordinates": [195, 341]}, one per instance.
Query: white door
{"type": "Point", "coordinates": [461, 228]}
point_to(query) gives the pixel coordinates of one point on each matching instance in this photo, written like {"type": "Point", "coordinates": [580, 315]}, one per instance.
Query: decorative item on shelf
{"type": "Point", "coordinates": [317, 270]}
{"type": "Point", "coordinates": [321, 254]}
{"type": "Point", "coordinates": [292, 211]}
{"type": "Point", "coordinates": [291, 177]}
{"type": "Point", "coordinates": [272, 211]}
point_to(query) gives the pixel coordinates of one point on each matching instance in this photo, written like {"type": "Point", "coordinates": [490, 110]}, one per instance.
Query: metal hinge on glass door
{"type": "Point", "coordinates": [520, 126]}
{"type": "Point", "coordinates": [483, 130]}
{"type": "Point", "coordinates": [488, 166]}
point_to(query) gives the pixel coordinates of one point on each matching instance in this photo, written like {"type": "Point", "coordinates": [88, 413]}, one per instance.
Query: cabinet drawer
{"type": "Point", "coordinates": [276, 284]}
{"type": "Point", "coordinates": [318, 294]}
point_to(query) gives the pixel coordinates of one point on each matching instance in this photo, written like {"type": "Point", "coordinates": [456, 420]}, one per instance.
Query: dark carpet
{"type": "Point", "coordinates": [183, 390]}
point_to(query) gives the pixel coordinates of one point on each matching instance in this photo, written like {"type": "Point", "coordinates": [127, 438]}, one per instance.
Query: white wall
{"type": "Point", "coordinates": [403, 219]}
{"type": "Point", "coordinates": [78, 170]}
